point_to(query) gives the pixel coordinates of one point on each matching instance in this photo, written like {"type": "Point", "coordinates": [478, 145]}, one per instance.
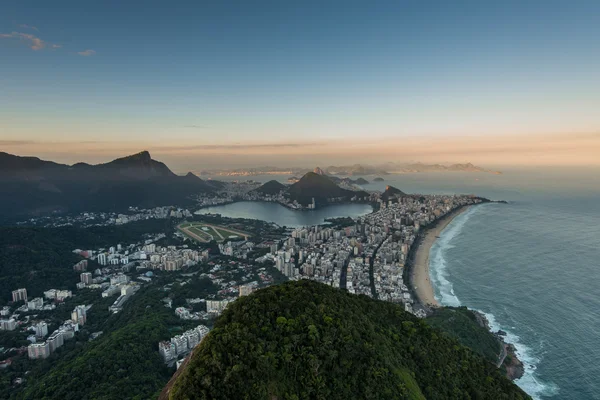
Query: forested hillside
{"type": "Point", "coordinates": [302, 340]}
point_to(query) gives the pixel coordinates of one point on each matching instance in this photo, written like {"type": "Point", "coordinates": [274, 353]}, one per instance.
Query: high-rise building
{"type": "Point", "coordinates": [61, 295]}
{"type": "Point", "coordinates": [19, 295]}
{"type": "Point", "coordinates": [118, 279]}
{"type": "Point", "coordinates": [245, 290]}
{"type": "Point", "coordinates": [192, 338]}
{"type": "Point", "coordinates": [181, 344]}
{"type": "Point", "coordinates": [167, 350]}
{"type": "Point", "coordinates": [79, 315]}
{"type": "Point", "coordinates": [55, 341]}
{"type": "Point", "coordinates": [38, 350]}
{"type": "Point", "coordinates": [35, 304]}
{"type": "Point", "coordinates": [8, 324]}
{"type": "Point", "coordinates": [41, 329]}
{"type": "Point", "coordinates": [101, 259]}
{"type": "Point", "coordinates": [81, 265]}
{"type": "Point", "coordinates": [216, 306]}
{"type": "Point", "coordinates": [86, 278]}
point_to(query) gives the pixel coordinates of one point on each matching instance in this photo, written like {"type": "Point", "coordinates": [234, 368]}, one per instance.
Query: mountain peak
{"type": "Point", "coordinates": [142, 156]}
{"type": "Point", "coordinates": [392, 192]}
{"type": "Point", "coordinates": [319, 171]}
{"type": "Point", "coordinates": [272, 187]}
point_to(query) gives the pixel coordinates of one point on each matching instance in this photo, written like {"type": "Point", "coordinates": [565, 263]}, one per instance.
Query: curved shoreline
{"type": "Point", "coordinates": [422, 289]}
{"type": "Point", "coordinates": [419, 272]}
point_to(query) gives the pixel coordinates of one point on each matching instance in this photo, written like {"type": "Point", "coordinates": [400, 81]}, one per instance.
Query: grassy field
{"type": "Point", "coordinates": [204, 233]}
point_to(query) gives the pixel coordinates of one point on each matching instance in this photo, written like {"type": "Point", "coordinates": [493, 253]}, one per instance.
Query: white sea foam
{"type": "Point", "coordinates": [529, 381]}
{"type": "Point", "coordinates": [444, 293]}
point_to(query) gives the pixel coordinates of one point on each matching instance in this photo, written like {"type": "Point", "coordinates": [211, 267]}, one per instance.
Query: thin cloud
{"type": "Point", "coordinates": [25, 26]}
{"type": "Point", "coordinates": [32, 41]}
{"type": "Point", "coordinates": [196, 126]}
{"type": "Point", "coordinates": [87, 53]}
{"type": "Point", "coordinates": [56, 46]}
{"type": "Point", "coordinates": [16, 142]}
{"type": "Point", "coordinates": [238, 146]}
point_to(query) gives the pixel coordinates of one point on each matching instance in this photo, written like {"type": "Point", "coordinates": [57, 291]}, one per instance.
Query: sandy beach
{"type": "Point", "coordinates": [420, 270]}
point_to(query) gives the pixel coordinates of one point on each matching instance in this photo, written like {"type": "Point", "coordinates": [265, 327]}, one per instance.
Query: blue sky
{"type": "Point", "coordinates": [237, 72]}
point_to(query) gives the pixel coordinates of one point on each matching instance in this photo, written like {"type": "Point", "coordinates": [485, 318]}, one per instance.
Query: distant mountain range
{"type": "Point", "coordinates": [30, 186]}
{"type": "Point", "coordinates": [353, 170]}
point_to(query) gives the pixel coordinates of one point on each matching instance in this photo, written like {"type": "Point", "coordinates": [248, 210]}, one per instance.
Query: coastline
{"type": "Point", "coordinates": [422, 288]}
{"type": "Point", "coordinates": [420, 281]}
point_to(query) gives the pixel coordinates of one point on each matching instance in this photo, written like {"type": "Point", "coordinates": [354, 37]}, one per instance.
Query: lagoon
{"type": "Point", "coordinates": [282, 216]}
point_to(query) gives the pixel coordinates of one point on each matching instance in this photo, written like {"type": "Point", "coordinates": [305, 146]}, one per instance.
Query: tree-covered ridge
{"type": "Point", "coordinates": [305, 340]}
{"type": "Point", "coordinates": [462, 323]}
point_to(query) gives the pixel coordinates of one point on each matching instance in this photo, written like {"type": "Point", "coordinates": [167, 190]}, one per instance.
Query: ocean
{"type": "Point", "coordinates": [532, 266]}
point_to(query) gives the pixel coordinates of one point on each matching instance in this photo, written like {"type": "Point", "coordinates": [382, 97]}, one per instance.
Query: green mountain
{"type": "Point", "coordinates": [306, 340]}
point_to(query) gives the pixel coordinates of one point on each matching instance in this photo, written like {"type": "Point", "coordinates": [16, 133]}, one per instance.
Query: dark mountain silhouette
{"type": "Point", "coordinates": [30, 186]}
{"type": "Point", "coordinates": [321, 188]}
{"type": "Point", "coordinates": [391, 193]}
{"type": "Point", "coordinates": [270, 188]}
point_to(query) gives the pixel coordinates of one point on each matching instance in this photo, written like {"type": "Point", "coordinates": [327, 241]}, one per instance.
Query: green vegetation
{"type": "Point", "coordinates": [202, 234]}
{"type": "Point", "coordinates": [302, 340]}
{"type": "Point", "coordinates": [121, 364]}
{"type": "Point", "coordinates": [206, 233]}
{"type": "Point", "coordinates": [42, 258]}
{"type": "Point", "coordinates": [462, 324]}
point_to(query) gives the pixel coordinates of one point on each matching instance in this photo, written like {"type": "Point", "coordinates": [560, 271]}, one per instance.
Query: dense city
{"type": "Point", "coordinates": [199, 263]}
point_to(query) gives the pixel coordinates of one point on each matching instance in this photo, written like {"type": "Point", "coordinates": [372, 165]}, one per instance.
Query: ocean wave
{"type": "Point", "coordinates": [444, 294]}
{"type": "Point", "coordinates": [529, 381]}
{"type": "Point", "coordinates": [438, 269]}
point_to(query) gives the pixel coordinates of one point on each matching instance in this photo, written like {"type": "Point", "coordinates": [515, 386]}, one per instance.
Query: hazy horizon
{"type": "Point", "coordinates": [507, 151]}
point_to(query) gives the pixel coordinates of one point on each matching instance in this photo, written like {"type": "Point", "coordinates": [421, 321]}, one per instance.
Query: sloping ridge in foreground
{"type": "Point", "coordinates": [303, 340]}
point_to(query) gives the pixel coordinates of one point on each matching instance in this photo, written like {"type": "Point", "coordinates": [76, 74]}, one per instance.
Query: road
{"type": "Point", "coordinates": [371, 262]}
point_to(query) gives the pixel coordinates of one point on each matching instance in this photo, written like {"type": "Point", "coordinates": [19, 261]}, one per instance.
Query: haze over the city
{"type": "Point", "coordinates": [236, 84]}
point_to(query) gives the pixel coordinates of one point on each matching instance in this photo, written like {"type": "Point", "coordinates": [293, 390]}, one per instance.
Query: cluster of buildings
{"type": "Point", "coordinates": [237, 249]}
{"type": "Point", "coordinates": [9, 321]}
{"type": "Point", "coordinates": [89, 219]}
{"type": "Point", "coordinates": [150, 256]}
{"type": "Point", "coordinates": [183, 344]}
{"type": "Point", "coordinates": [66, 331]}
{"type": "Point", "coordinates": [214, 307]}
{"type": "Point", "coordinates": [378, 244]}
